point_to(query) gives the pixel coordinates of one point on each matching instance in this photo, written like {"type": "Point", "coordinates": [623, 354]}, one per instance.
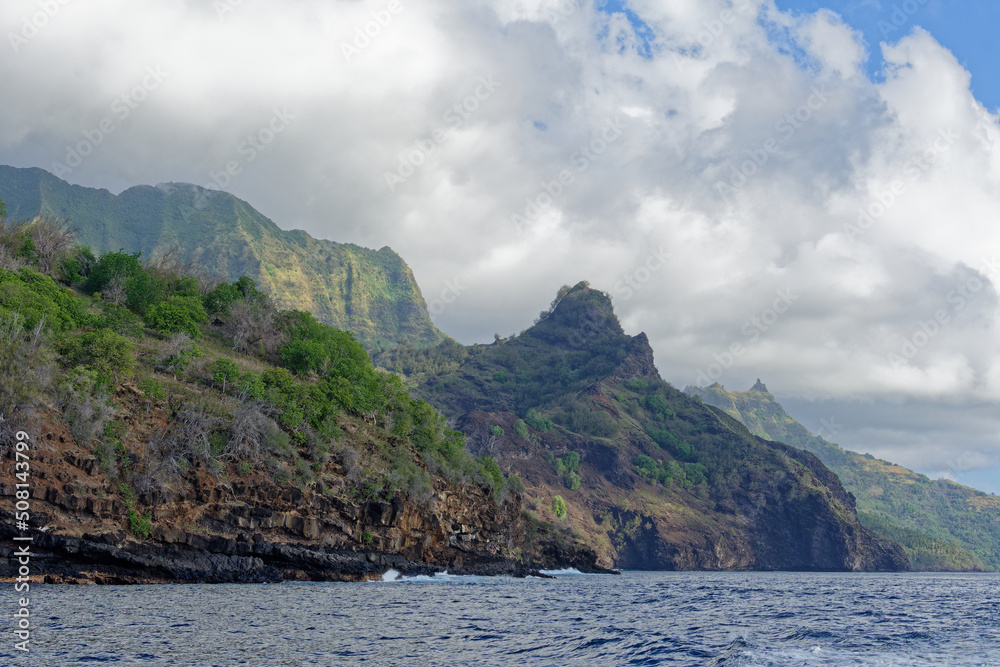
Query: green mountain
{"type": "Point", "coordinates": [647, 476]}
{"type": "Point", "coordinates": [942, 525]}
{"type": "Point", "coordinates": [371, 293]}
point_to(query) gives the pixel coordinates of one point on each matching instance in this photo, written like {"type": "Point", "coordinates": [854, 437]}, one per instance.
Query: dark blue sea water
{"type": "Point", "coordinates": [639, 618]}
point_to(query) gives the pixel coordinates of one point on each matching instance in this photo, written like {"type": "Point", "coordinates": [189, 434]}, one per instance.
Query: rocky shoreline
{"type": "Point", "coordinates": [111, 560]}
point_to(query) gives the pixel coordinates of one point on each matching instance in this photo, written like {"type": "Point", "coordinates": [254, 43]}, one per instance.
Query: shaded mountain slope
{"type": "Point", "coordinates": [648, 476]}
{"type": "Point", "coordinates": [371, 293]}
{"type": "Point", "coordinates": [942, 525]}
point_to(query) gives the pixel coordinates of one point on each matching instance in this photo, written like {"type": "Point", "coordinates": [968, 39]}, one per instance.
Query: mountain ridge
{"type": "Point", "coordinates": [371, 293]}
{"type": "Point", "coordinates": [942, 525]}
{"type": "Point", "coordinates": [649, 477]}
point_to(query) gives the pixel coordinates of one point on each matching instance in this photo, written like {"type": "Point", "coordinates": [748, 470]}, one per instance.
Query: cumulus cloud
{"type": "Point", "coordinates": [707, 162]}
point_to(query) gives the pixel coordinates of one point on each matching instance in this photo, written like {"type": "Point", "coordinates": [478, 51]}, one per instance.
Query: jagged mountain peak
{"type": "Point", "coordinates": [760, 386]}
{"type": "Point", "coordinates": [579, 318]}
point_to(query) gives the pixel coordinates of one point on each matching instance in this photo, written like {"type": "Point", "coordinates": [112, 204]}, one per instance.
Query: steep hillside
{"type": "Point", "coordinates": [156, 433]}
{"type": "Point", "coordinates": [649, 477]}
{"type": "Point", "coordinates": [371, 293]}
{"type": "Point", "coordinates": [942, 525]}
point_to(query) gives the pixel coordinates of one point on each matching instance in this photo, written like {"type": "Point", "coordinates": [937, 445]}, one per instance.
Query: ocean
{"type": "Point", "coordinates": [638, 618]}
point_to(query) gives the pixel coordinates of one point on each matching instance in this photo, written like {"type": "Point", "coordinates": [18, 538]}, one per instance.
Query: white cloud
{"type": "Point", "coordinates": [775, 108]}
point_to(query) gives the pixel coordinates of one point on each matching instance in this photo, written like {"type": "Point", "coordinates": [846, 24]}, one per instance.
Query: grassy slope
{"type": "Point", "coordinates": [943, 525]}
{"type": "Point", "coordinates": [371, 293]}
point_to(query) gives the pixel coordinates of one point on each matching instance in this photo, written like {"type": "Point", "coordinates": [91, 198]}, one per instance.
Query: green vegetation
{"type": "Point", "coordinates": [567, 467]}
{"type": "Point", "coordinates": [263, 391]}
{"type": "Point", "coordinates": [200, 232]}
{"type": "Point", "coordinates": [559, 507]}
{"type": "Point", "coordinates": [942, 525]}
{"type": "Point", "coordinates": [574, 383]}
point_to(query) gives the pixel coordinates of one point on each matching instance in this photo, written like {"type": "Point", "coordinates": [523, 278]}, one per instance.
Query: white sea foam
{"type": "Point", "coordinates": [567, 572]}
{"type": "Point", "coordinates": [390, 575]}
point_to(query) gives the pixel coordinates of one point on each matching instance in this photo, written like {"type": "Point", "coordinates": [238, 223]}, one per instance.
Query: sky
{"type": "Point", "coordinates": [803, 192]}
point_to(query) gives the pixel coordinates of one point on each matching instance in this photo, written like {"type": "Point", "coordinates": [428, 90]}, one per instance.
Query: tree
{"type": "Point", "coordinates": [112, 356]}
{"type": "Point", "coordinates": [224, 371]}
{"type": "Point", "coordinates": [179, 353]}
{"type": "Point", "coordinates": [559, 507]}
{"type": "Point", "coordinates": [178, 314]}
{"type": "Point", "coordinates": [54, 240]}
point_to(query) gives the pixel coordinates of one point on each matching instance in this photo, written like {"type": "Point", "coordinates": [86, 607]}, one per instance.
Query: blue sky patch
{"type": "Point", "coordinates": [642, 30]}
{"type": "Point", "coordinates": [965, 27]}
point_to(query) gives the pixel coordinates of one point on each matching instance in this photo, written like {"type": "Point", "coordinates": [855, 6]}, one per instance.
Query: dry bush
{"type": "Point", "coordinates": [114, 292]}
{"type": "Point", "coordinates": [254, 433]}
{"type": "Point", "coordinates": [86, 415]}
{"type": "Point", "coordinates": [251, 324]}
{"type": "Point", "coordinates": [189, 436]}
{"type": "Point", "coordinates": [54, 239]}
{"type": "Point", "coordinates": [8, 260]}
{"type": "Point", "coordinates": [159, 466]}
{"type": "Point", "coordinates": [26, 372]}
{"type": "Point", "coordinates": [170, 263]}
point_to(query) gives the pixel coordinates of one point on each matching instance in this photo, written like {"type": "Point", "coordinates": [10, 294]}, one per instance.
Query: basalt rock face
{"type": "Point", "coordinates": [207, 529]}
{"type": "Point", "coordinates": [650, 477]}
{"type": "Point", "coordinates": [940, 524]}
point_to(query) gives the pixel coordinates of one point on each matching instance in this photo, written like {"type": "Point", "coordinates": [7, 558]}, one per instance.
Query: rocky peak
{"type": "Point", "coordinates": [578, 316]}
{"type": "Point", "coordinates": [760, 386]}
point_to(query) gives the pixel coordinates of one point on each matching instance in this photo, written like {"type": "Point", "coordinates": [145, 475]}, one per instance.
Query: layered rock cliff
{"type": "Point", "coordinates": [210, 528]}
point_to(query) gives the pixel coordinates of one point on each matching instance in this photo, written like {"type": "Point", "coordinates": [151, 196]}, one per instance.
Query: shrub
{"type": "Point", "coordinates": [516, 485]}
{"type": "Point", "coordinates": [26, 370]}
{"type": "Point", "coordinates": [178, 314]}
{"type": "Point", "coordinates": [536, 421]}
{"type": "Point", "coordinates": [559, 507]}
{"type": "Point", "coordinates": [39, 298]}
{"type": "Point", "coordinates": [141, 525]}
{"type": "Point", "coordinates": [179, 353]}
{"type": "Point", "coordinates": [86, 406]}
{"type": "Point", "coordinates": [572, 481]}
{"type": "Point", "coordinates": [496, 430]}
{"type": "Point", "coordinates": [109, 354]}
{"type": "Point", "coordinates": [224, 371]}
{"type": "Point", "coordinates": [521, 428]}
{"type": "Point", "coordinates": [658, 405]}
{"type": "Point", "coordinates": [121, 320]}
{"type": "Point", "coordinates": [492, 471]}
{"type": "Point", "coordinates": [111, 265]}
{"type": "Point", "coordinates": [153, 390]}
